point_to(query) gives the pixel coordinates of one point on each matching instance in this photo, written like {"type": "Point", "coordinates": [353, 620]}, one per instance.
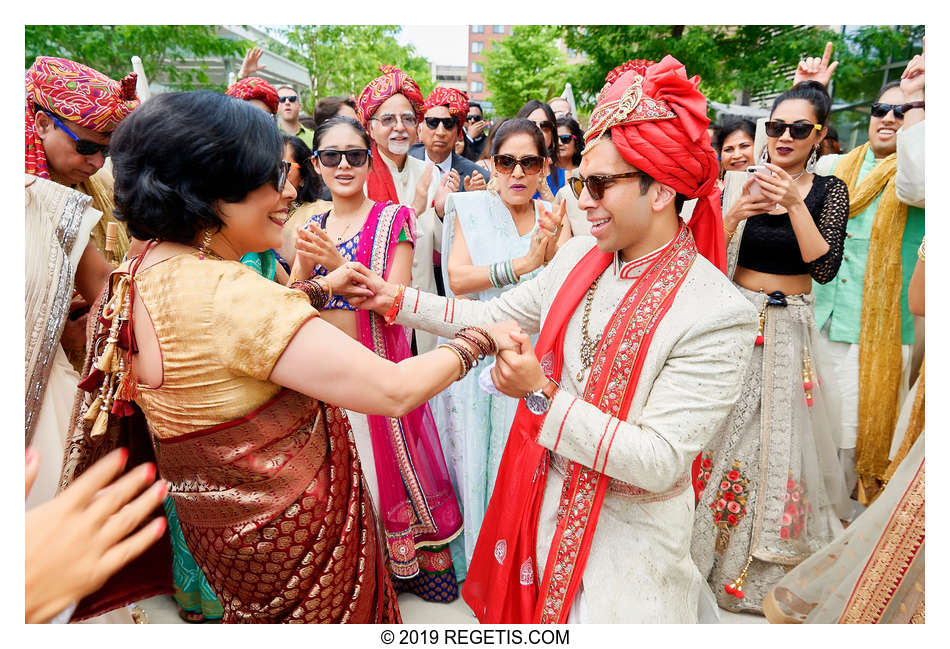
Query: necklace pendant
{"type": "Point", "coordinates": [580, 376]}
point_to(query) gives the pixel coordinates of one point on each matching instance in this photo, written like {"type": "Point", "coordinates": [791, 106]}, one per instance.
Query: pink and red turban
{"type": "Point", "coordinates": [454, 100]}
{"type": "Point", "coordinates": [76, 93]}
{"type": "Point", "coordinates": [656, 116]}
{"type": "Point", "coordinates": [250, 88]}
{"type": "Point", "coordinates": [393, 81]}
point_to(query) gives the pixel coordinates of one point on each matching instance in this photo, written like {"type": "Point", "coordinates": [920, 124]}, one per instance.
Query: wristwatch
{"type": "Point", "coordinates": [539, 401]}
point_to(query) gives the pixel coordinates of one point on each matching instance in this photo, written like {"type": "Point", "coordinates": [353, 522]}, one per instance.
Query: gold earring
{"type": "Point", "coordinates": [204, 248]}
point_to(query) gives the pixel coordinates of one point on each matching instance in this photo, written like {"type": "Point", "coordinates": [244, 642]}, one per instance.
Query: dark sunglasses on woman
{"type": "Point", "coordinates": [545, 125]}
{"type": "Point", "coordinates": [880, 110]}
{"type": "Point", "coordinates": [565, 138]}
{"type": "Point", "coordinates": [83, 147]}
{"type": "Point", "coordinates": [530, 164]}
{"type": "Point", "coordinates": [449, 123]}
{"type": "Point", "coordinates": [597, 184]}
{"type": "Point", "coordinates": [332, 157]}
{"type": "Point", "coordinates": [798, 131]}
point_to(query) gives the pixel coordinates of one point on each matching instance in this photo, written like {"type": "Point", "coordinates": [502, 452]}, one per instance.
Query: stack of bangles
{"type": "Point", "coordinates": [502, 274]}
{"type": "Point", "coordinates": [471, 344]}
{"type": "Point", "coordinates": [317, 290]}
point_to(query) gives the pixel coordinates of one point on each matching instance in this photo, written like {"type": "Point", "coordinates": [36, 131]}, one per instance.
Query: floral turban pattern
{"type": "Point", "coordinates": [250, 88]}
{"type": "Point", "coordinates": [656, 116]}
{"type": "Point", "coordinates": [393, 81]}
{"type": "Point", "coordinates": [77, 93]}
{"type": "Point", "coordinates": [454, 100]}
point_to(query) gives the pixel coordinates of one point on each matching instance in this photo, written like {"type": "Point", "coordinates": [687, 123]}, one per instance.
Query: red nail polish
{"type": "Point", "coordinates": [149, 472]}
{"type": "Point", "coordinates": [123, 455]}
{"type": "Point", "coordinates": [162, 488]}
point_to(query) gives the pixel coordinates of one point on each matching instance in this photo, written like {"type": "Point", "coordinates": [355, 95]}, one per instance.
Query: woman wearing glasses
{"type": "Point", "coordinates": [401, 457]}
{"type": "Point", "coordinates": [235, 374]}
{"type": "Point", "coordinates": [492, 242]}
{"type": "Point", "coordinates": [772, 486]}
{"type": "Point", "coordinates": [571, 143]}
{"type": "Point", "coordinates": [541, 114]}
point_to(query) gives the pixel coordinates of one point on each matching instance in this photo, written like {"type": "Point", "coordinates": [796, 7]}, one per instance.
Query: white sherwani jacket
{"type": "Point", "coordinates": [639, 568]}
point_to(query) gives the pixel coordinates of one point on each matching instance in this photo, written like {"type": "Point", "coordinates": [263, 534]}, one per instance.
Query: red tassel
{"type": "Point", "coordinates": [810, 401]}
{"type": "Point", "coordinates": [760, 340]}
{"type": "Point", "coordinates": [92, 382]}
{"type": "Point", "coordinates": [128, 387]}
{"type": "Point", "coordinates": [122, 408]}
{"type": "Point", "coordinates": [739, 593]}
{"type": "Point", "coordinates": [808, 385]}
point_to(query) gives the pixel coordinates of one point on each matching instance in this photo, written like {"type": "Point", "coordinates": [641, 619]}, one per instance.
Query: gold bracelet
{"type": "Point", "coordinates": [729, 235]}
{"type": "Point", "coordinates": [458, 354]}
{"type": "Point", "coordinates": [328, 289]}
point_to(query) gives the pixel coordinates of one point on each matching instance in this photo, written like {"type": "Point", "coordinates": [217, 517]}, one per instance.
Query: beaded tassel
{"type": "Point", "coordinates": [807, 378]}
{"type": "Point", "coordinates": [760, 337]}
{"type": "Point", "coordinates": [735, 588]}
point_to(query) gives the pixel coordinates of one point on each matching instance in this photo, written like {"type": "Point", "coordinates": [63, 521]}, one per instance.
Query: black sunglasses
{"type": "Point", "coordinates": [565, 138]}
{"type": "Point", "coordinates": [83, 147]}
{"type": "Point", "coordinates": [473, 118]}
{"type": "Point", "coordinates": [545, 124]}
{"type": "Point", "coordinates": [283, 170]}
{"type": "Point", "coordinates": [880, 110]}
{"type": "Point", "coordinates": [530, 164]}
{"type": "Point", "coordinates": [290, 98]}
{"type": "Point", "coordinates": [798, 131]}
{"type": "Point", "coordinates": [597, 184]}
{"type": "Point", "coordinates": [449, 123]}
{"type": "Point", "coordinates": [332, 157]}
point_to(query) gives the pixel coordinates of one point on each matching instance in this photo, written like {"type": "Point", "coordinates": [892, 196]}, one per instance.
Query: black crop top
{"type": "Point", "coordinates": [769, 244]}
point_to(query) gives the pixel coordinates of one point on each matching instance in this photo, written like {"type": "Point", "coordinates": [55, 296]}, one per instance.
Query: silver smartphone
{"type": "Point", "coordinates": [755, 189]}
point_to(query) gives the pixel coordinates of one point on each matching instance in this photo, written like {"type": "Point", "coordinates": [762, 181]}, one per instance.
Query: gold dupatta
{"type": "Point", "coordinates": [880, 338]}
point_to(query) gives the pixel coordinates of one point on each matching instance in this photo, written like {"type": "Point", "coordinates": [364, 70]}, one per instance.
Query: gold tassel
{"type": "Point", "coordinates": [93, 410]}
{"type": "Point", "coordinates": [102, 423]}
{"type": "Point", "coordinates": [104, 364]}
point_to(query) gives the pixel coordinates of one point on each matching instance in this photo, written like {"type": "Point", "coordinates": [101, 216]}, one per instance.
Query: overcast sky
{"type": "Point", "coordinates": [441, 44]}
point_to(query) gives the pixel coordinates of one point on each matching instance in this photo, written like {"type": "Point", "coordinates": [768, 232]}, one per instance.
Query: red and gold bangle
{"type": "Point", "coordinates": [390, 316]}
{"type": "Point", "coordinates": [492, 345]}
{"type": "Point", "coordinates": [482, 347]}
{"type": "Point", "coordinates": [463, 368]}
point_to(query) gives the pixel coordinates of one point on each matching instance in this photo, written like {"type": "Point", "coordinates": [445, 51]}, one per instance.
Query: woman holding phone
{"type": "Point", "coordinates": [772, 487]}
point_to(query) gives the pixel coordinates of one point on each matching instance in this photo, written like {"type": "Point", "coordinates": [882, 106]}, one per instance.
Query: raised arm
{"type": "Point", "coordinates": [910, 138]}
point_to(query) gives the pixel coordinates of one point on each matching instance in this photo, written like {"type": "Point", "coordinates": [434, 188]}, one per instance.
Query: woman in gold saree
{"type": "Point", "coordinates": [235, 374]}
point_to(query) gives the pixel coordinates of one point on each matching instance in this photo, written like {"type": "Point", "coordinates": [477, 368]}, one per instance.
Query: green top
{"type": "Point", "coordinates": [841, 298]}
{"type": "Point", "coordinates": [306, 135]}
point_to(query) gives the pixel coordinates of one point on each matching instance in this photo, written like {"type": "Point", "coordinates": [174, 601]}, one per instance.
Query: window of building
{"type": "Point", "coordinates": [478, 29]}
{"type": "Point", "coordinates": [499, 29]}
{"type": "Point", "coordinates": [476, 67]}
{"type": "Point", "coordinates": [476, 86]}
{"type": "Point", "coordinates": [477, 47]}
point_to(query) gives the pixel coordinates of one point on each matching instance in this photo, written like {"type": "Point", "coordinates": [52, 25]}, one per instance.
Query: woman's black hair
{"type": "Point", "coordinates": [514, 126]}
{"type": "Point", "coordinates": [326, 125]}
{"type": "Point", "coordinates": [896, 83]}
{"type": "Point", "coordinates": [812, 92]}
{"type": "Point", "coordinates": [176, 156]}
{"type": "Point", "coordinates": [530, 107]}
{"type": "Point", "coordinates": [730, 125]}
{"type": "Point", "coordinates": [329, 106]}
{"type": "Point", "coordinates": [309, 178]}
{"type": "Point", "coordinates": [578, 134]}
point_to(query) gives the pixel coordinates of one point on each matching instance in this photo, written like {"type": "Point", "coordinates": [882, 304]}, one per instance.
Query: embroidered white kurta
{"type": "Point", "coordinates": [639, 568]}
{"type": "Point", "coordinates": [428, 231]}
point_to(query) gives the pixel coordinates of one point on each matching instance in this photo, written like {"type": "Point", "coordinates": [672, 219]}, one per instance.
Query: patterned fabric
{"type": "Point", "coordinates": [77, 93]}
{"type": "Point", "coordinates": [250, 88]}
{"type": "Point", "coordinates": [436, 580]}
{"type": "Point", "coordinates": [192, 591]}
{"type": "Point", "coordinates": [657, 120]}
{"type": "Point", "coordinates": [393, 81]}
{"type": "Point", "coordinates": [454, 100]}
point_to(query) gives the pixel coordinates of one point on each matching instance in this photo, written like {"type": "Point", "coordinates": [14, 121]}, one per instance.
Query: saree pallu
{"type": "Point", "coordinates": [276, 514]}
{"type": "Point", "coordinates": [772, 487]}
{"type": "Point", "coordinates": [418, 509]}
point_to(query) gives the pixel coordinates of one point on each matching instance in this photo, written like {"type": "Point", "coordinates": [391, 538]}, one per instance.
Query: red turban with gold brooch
{"type": "Point", "coordinates": [393, 81]}
{"type": "Point", "coordinates": [454, 100]}
{"type": "Point", "coordinates": [657, 119]}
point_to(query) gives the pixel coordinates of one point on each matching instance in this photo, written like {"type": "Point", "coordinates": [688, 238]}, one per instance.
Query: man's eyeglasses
{"type": "Point", "coordinates": [388, 120]}
{"type": "Point", "coordinates": [332, 157]}
{"type": "Point", "coordinates": [291, 98]}
{"type": "Point", "coordinates": [798, 131]}
{"type": "Point", "coordinates": [283, 170]}
{"type": "Point", "coordinates": [450, 123]}
{"type": "Point", "coordinates": [565, 138]}
{"type": "Point", "coordinates": [880, 110]}
{"type": "Point", "coordinates": [530, 164]}
{"type": "Point", "coordinates": [545, 125]}
{"type": "Point", "coordinates": [83, 147]}
{"type": "Point", "coordinates": [473, 118]}
{"type": "Point", "coordinates": [597, 184]}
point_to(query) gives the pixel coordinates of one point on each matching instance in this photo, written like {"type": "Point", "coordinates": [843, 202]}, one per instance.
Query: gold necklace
{"type": "Point", "coordinates": [588, 345]}
{"type": "Point", "coordinates": [339, 238]}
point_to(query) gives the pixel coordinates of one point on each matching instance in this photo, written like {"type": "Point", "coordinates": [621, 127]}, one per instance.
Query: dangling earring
{"type": "Point", "coordinates": [492, 185]}
{"type": "Point", "coordinates": [204, 248]}
{"type": "Point", "coordinates": [764, 156]}
{"type": "Point", "coordinates": [812, 159]}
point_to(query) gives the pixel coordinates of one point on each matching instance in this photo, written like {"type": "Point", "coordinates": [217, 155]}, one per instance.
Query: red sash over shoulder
{"type": "Point", "coordinates": [501, 585]}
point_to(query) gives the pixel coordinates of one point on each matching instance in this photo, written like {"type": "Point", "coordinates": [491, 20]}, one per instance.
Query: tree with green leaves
{"type": "Point", "coordinates": [342, 59]}
{"type": "Point", "coordinates": [526, 65]}
{"type": "Point", "coordinates": [164, 50]}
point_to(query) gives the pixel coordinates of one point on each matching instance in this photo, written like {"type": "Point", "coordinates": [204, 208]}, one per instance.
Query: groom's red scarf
{"type": "Point", "coordinates": [501, 585]}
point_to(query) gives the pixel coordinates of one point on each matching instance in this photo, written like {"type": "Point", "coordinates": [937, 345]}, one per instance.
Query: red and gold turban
{"type": "Point", "coordinates": [454, 100]}
{"type": "Point", "coordinates": [656, 116]}
{"type": "Point", "coordinates": [77, 93]}
{"type": "Point", "coordinates": [393, 81]}
{"type": "Point", "coordinates": [250, 88]}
